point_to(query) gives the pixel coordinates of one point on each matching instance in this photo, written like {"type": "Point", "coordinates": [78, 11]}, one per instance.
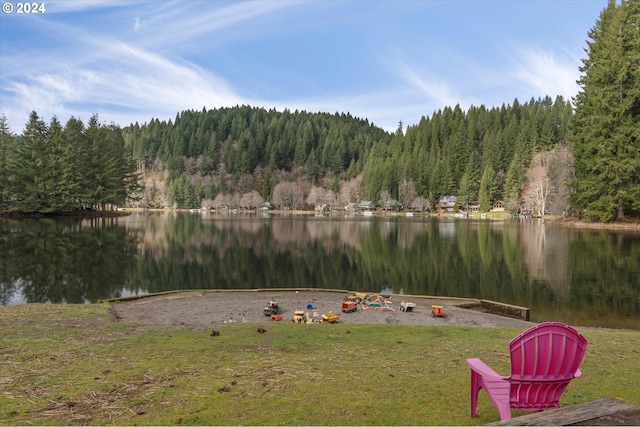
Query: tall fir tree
{"type": "Point", "coordinates": [57, 173]}
{"type": "Point", "coordinates": [74, 143]}
{"type": "Point", "coordinates": [486, 191]}
{"type": "Point", "coordinates": [607, 120]}
{"type": "Point", "coordinates": [7, 144]}
{"type": "Point", "coordinates": [30, 163]}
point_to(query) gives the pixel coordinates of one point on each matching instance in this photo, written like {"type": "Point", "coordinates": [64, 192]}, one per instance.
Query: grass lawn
{"type": "Point", "coordinates": [75, 365]}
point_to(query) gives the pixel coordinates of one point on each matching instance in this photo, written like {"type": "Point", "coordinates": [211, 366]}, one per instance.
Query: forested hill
{"type": "Point", "coordinates": [232, 143]}
{"type": "Point", "coordinates": [218, 156]}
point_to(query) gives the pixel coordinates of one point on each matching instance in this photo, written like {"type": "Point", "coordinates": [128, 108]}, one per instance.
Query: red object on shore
{"type": "Point", "coordinates": [276, 317]}
{"type": "Point", "coordinates": [349, 306]}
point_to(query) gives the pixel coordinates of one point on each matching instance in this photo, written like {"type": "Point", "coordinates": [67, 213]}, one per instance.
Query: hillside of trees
{"type": "Point", "coordinates": [242, 156]}
{"type": "Point", "coordinates": [544, 155]}
{"type": "Point", "coordinates": [201, 156]}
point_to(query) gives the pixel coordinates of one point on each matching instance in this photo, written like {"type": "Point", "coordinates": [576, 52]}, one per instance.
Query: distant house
{"type": "Point", "coordinates": [351, 207]}
{"type": "Point", "coordinates": [367, 205]}
{"type": "Point", "coordinates": [446, 203]}
{"type": "Point", "coordinates": [474, 207]}
{"type": "Point", "coordinates": [498, 206]}
{"type": "Point", "coordinates": [392, 205]}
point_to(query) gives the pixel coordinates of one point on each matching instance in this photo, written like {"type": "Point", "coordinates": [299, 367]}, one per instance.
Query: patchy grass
{"type": "Point", "coordinates": [75, 365]}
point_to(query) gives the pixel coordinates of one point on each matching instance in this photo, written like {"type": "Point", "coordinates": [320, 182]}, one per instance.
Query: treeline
{"type": "Point", "coordinates": [51, 168]}
{"type": "Point", "coordinates": [607, 138]}
{"type": "Point", "coordinates": [241, 139]}
{"type": "Point", "coordinates": [480, 155]}
{"type": "Point", "coordinates": [202, 154]}
{"type": "Point", "coordinates": [520, 154]}
{"type": "Point", "coordinates": [243, 156]}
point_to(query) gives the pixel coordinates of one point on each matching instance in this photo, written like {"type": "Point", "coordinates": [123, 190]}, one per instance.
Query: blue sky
{"type": "Point", "coordinates": [386, 61]}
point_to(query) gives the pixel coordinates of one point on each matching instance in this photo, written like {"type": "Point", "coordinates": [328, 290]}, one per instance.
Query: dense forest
{"type": "Point", "coordinates": [51, 168]}
{"type": "Point", "coordinates": [219, 156]}
{"type": "Point", "coordinates": [544, 155]}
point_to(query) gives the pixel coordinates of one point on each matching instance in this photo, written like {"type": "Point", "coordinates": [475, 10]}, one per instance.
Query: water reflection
{"type": "Point", "coordinates": [72, 261]}
{"type": "Point", "coordinates": [584, 277]}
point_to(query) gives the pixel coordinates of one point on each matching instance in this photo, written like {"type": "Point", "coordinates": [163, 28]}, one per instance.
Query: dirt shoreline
{"type": "Point", "coordinates": [208, 309]}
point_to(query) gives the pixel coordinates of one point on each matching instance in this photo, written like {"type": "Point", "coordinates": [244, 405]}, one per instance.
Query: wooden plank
{"type": "Point", "coordinates": [608, 410]}
{"type": "Point", "coordinates": [506, 309]}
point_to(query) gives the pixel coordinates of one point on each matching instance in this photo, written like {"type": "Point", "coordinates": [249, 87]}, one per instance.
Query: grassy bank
{"type": "Point", "coordinates": [70, 365]}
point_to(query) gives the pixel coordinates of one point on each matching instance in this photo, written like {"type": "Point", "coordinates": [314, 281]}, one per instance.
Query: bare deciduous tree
{"type": "Point", "coordinates": [251, 200]}
{"type": "Point", "coordinates": [221, 201]}
{"type": "Point", "coordinates": [234, 201]}
{"type": "Point", "coordinates": [350, 192]}
{"type": "Point", "coordinates": [561, 173]}
{"type": "Point", "coordinates": [207, 204]}
{"type": "Point", "coordinates": [319, 196]}
{"type": "Point", "coordinates": [421, 204]}
{"type": "Point", "coordinates": [288, 195]}
{"type": "Point", "coordinates": [190, 165]}
{"type": "Point", "coordinates": [539, 184]}
{"type": "Point", "coordinates": [406, 191]}
{"type": "Point", "coordinates": [315, 196]}
{"type": "Point", "coordinates": [245, 183]}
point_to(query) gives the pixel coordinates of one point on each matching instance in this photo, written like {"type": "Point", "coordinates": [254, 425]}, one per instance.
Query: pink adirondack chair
{"type": "Point", "coordinates": [544, 359]}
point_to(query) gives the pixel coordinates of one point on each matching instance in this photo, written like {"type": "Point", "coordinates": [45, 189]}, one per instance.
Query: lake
{"type": "Point", "coordinates": [583, 277]}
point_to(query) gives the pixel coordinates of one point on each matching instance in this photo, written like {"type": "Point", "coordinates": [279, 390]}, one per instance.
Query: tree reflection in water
{"type": "Point", "coordinates": [583, 277]}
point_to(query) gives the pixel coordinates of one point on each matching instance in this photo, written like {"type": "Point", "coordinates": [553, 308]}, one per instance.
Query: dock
{"type": "Point", "coordinates": [602, 412]}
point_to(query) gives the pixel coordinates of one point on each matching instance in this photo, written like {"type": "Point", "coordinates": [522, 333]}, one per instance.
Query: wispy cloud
{"type": "Point", "coordinates": [186, 22]}
{"type": "Point", "coordinates": [433, 87]}
{"type": "Point", "coordinates": [136, 60]}
{"type": "Point", "coordinates": [138, 82]}
{"type": "Point", "coordinates": [545, 74]}
{"type": "Point", "coordinates": [121, 78]}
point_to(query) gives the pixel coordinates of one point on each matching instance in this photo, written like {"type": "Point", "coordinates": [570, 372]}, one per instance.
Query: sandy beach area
{"type": "Point", "coordinates": [208, 309]}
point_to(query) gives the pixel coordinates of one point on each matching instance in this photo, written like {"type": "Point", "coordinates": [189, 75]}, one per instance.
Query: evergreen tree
{"type": "Point", "coordinates": [58, 172]}
{"type": "Point", "coordinates": [7, 147]}
{"type": "Point", "coordinates": [470, 181]}
{"type": "Point", "coordinates": [74, 140]}
{"type": "Point", "coordinates": [607, 121]}
{"type": "Point", "coordinates": [268, 184]}
{"type": "Point", "coordinates": [30, 162]}
{"type": "Point", "coordinates": [485, 194]}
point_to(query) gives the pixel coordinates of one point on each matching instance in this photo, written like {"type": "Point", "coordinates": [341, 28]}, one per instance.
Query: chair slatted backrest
{"type": "Point", "coordinates": [544, 359]}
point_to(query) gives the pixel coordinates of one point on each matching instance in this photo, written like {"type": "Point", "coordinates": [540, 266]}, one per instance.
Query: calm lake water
{"type": "Point", "coordinates": [581, 277]}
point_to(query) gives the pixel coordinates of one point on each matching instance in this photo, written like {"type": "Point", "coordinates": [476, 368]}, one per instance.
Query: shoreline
{"type": "Point", "coordinates": [216, 308]}
{"type": "Point", "coordinates": [571, 222]}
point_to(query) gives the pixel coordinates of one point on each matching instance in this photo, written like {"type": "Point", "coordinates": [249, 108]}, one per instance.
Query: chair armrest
{"type": "Point", "coordinates": [483, 370]}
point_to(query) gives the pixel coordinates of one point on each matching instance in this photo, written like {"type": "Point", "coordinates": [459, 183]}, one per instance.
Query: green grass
{"type": "Point", "coordinates": [73, 365]}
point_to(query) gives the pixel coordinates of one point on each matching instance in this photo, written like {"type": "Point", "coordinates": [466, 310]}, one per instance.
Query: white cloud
{"type": "Point", "coordinates": [544, 74]}
{"type": "Point", "coordinates": [179, 23]}
{"type": "Point", "coordinates": [97, 73]}
{"type": "Point", "coordinates": [433, 87]}
{"type": "Point", "coordinates": [143, 84]}
{"type": "Point", "coordinates": [130, 64]}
